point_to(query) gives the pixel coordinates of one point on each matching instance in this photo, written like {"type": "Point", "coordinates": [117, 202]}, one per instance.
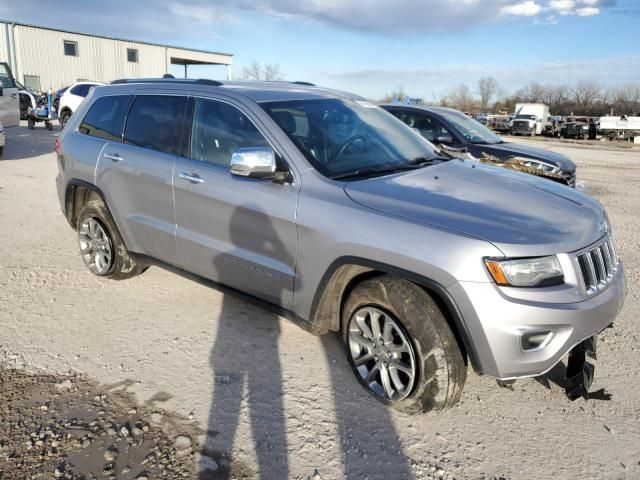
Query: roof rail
{"type": "Point", "coordinates": [199, 81]}
{"type": "Point", "coordinates": [308, 84]}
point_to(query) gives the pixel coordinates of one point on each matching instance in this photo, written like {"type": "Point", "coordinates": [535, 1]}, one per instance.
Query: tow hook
{"type": "Point", "coordinates": [579, 374]}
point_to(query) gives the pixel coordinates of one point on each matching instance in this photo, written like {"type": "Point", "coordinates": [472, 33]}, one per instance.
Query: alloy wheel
{"type": "Point", "coordinates": [95, 246]}
{"type": "Point", "coordinates": [382, 353]}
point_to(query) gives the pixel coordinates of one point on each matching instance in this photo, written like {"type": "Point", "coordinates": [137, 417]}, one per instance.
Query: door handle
{"type": "Point", "coordinates": [191, 177]}
{"type": "Point", "coordinates": [113, 157]}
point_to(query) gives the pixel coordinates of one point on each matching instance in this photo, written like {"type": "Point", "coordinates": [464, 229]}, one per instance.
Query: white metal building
{"type": "Point", "coordinates": [43, 58]}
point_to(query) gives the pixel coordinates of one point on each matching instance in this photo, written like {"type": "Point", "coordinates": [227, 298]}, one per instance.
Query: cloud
{"type": "Point", "coordinates": [188, 18]}
{"type": "Point", "coordinates": [587, 11]}
{"type": "Point", "coordinates": [563, 7]}
{"type": "Point", "coordinates": [522, 9]}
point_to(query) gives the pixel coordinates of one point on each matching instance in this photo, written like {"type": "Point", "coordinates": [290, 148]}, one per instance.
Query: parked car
{"type": "Point", "coordinates": [454, 129]}
{"type": "Point", "coordinates": [72, 98]}
{"type": "Point", "coordinates": [9, 102]}
{"type": "Point", "coordinates": [575, 127]}
{"type": "Point", "coordinates": [552, 128]}
{"type": "Point", "coordinates": [481, 117]}
{"type": "Point", "coordinates": [327, 206]}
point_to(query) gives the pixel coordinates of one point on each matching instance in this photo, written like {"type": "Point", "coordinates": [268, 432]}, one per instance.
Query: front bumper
{"type": "Point", "coordinates": [496, 324]}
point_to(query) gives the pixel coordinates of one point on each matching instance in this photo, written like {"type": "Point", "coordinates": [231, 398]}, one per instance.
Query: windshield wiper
{"type": "Point", "coordinates": [425, 160]}
{"type": "Point", "coordinates": [370, 171]}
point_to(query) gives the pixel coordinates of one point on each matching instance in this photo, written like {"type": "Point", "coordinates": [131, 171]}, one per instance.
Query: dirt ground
{"type": "Point", "coordinates": [255, 393]}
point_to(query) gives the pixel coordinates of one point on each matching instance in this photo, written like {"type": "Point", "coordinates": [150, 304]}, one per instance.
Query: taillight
{"type": "Point", "coordinates": [58, 146]}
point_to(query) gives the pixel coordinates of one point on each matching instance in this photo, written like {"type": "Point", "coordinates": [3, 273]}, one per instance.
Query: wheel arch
{"type": "Point", "coordinates": [77, 194]}
{"type": "Point", "coordinates": [345, 273]}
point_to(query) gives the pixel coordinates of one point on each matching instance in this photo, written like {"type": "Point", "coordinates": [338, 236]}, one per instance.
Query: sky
{"type": "Point", "coordinates": [372, 47]}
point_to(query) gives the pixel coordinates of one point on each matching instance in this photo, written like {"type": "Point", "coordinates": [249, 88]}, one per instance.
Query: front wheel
{"type": "Point", "coordinates": [401, 347]}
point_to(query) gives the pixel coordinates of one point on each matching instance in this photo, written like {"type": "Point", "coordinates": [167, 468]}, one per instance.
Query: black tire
{"type": "Point", "coordinates": [49, 125]}
{"type": "Point", "coordinates": [30, 123]}
{"type": "Point", "coordinates": [123, 266]}
{"type": "Point", "coordinates": [64, 118]}
{"type": "Point", "coordinates": [1, 151]}
{"type": "Point", "coordinates": [441, 366]}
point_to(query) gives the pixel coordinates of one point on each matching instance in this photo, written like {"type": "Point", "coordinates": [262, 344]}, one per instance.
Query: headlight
{"type": "Point", "coordinates": [537, 164]}
{"type": "Point", "coordinates": [526, 272]}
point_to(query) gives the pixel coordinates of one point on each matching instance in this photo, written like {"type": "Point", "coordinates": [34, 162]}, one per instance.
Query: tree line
{"type": "Point", "coordinates": [584, 97]}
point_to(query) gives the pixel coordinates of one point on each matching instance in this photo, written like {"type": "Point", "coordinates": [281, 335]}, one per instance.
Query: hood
{"type": "Point", "coordinates": [520, 214]}
{"type": "Point", "coordinates": [503, 150]}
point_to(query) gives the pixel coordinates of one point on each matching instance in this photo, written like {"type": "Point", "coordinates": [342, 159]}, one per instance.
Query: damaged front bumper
{"type": "Point", "coordinates": [515, 338]}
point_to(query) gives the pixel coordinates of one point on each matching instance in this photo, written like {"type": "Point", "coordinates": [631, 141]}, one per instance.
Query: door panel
{"type": "Point", "coordinates": [137, 184]}
{"type": "Point", "coordinates": [236, 231]}
{"type": "Point", "coordinates": [240, 232]}
{"type": "Point", "coordinates": [9, 100]}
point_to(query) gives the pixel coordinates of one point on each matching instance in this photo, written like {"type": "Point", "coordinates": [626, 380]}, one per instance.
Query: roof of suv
{"type": "Point", "coordinates": [259, 91]}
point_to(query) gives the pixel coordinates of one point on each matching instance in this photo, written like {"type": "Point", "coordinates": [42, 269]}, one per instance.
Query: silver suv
{"type": "Point", "coordinates": [334, 210]}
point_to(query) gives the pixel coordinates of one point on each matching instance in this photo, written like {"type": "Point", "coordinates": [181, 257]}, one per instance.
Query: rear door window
{"type": "Point", "coordinates": [155, 122]}
{"type": "Point", "coordinates": [105, 117]}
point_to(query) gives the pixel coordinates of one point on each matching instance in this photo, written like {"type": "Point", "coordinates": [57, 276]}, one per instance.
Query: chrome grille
{"type": "Point", "coordinates": [598, 265]}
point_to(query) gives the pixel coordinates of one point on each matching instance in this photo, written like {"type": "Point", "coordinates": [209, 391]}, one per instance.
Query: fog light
{"type": "Point", "coordinates": [535, 340]}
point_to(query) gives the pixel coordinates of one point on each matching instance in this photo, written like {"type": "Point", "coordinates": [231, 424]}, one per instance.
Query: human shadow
{"type": "Point", "coordinates": [22, 143]}
{"type": "Point", "coordinates": [370, 445]}
{"type": "Point", "coordinates": [245, 354]}
{"type": "Point", "coordinates": [245, 358]}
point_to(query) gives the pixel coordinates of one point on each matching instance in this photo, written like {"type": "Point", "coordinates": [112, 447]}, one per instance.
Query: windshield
{"type": "Point", "coordinates": [340, 137]}
{"type": "Point", "coordinates": [469, 128]}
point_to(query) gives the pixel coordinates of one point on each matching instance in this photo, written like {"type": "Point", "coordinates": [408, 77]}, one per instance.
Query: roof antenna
{"type": "Point", "coordinates": [168, 75]}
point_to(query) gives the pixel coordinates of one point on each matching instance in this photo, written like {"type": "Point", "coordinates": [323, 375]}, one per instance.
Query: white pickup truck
{"type": "Point", "coordinates": [9, 103]}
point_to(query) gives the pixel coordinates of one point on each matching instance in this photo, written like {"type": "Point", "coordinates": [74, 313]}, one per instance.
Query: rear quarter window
{"type": "Point", "coordinates": [155, 122]}
{"type": "Point", "coordinates": [105, 118]}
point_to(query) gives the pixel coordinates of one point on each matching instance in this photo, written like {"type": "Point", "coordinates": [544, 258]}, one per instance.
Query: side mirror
{"type": "Point", "coordinates": [446, 139]}
{"type": "Point", "coordinates": [253, 162]}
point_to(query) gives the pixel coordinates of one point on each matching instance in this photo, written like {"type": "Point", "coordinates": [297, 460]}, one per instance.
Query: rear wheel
{"type": "Point", "coordinates": [101, 246]}
{"type": "Point", "coordinates": [401, 347]}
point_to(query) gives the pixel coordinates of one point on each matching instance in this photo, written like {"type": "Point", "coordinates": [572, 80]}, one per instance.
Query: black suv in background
{"type": "Point", "coordinates": [452, 128]}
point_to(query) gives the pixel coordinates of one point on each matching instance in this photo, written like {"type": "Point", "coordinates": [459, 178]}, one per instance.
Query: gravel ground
{"type": "Point", "coordinates": [256, 393]}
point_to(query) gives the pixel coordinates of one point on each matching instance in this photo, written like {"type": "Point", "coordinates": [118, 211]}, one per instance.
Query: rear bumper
{"type": "Point", "coordinates": [497, 324]}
